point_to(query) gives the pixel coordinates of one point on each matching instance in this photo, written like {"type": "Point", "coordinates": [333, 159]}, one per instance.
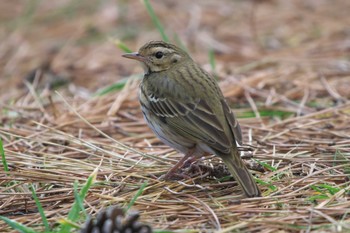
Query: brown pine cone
{"type": "Point", "coordinates": [113, 220]}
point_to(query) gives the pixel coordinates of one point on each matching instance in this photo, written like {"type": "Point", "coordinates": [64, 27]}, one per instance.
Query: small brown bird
{"type": "Point", "coordinates": [186, 109]}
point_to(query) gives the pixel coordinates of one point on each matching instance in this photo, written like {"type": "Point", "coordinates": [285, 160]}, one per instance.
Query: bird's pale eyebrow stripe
{"type": "Point", "coordinates": [164, 50]}
{"type": "Point", "coordinates": [163, 45]}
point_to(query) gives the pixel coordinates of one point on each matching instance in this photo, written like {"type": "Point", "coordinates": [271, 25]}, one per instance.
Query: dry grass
{"type": "Point", "coordinates": [283, 66]}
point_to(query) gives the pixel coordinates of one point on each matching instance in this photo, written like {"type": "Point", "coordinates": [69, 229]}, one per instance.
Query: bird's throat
{"type": "Point", "coordinates": [145, 68]}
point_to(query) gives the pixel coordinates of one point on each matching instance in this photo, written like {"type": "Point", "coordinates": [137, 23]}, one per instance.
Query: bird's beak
{"type": "Point", "coordinates": [135, 56]}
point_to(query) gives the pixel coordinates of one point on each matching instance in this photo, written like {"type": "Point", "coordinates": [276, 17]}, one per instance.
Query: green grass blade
{"type": "Point", "coordinates": [116, 86]}
{"type": "Point", "coordinates": [155, 20]}
{"type": "Point", "coordinates": [73, 214]}
{"type": "Point", "coordinates": [17, 226]}
{"type": "Point", "coordinates": [180, 43]}
{"type": "Point", "coordinates": [267, 184]}
{"type": "Point", "coordinates": [68, 223]}
{"type": "Point", "coordinates": [212, 61]}
{"type": "Point", "coordinates": [225, 178]}
{"type": "Point", "coordinates": [78, 199]}
{"type": "Point", "coordinates": [112, 88]}
{"type": "Point", "coordinates": [122, 46]}
{"type": "Point", "coordinates": [139, 192]}
{"type": "Point", "coordinates": [3, 158]}
{"type": "Point", "coordinates": [323, 188]}
{"type": "Point", "coordinates": [266, 165]}
{"type": "Point", "coordinates": [318, 197]}
{"type": "Point", "coordinates": [40, 208]}
{"type": "Point", "coordinates": [266, 113]}
{"type": "Point", "coordinates": [332, 190]}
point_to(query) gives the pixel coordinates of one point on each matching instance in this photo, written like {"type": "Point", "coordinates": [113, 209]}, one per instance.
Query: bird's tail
{"type": "Point", "coordinates": [241, 174]}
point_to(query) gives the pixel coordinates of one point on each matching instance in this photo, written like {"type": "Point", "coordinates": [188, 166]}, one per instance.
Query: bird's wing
{"type": "Point", "coordinates": [193, 119]}
{"type": "Point", "coordinates": [233, 123]}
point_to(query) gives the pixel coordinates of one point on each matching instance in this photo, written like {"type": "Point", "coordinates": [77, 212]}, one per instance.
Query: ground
{"type": "Point", "coordinates": [69, 107]}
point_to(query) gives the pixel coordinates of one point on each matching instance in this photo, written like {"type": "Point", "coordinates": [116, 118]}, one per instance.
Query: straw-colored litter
{"type": "Point", "coordinates": [284, 68]}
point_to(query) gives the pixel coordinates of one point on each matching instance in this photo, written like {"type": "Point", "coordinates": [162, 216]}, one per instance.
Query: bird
{"type": "Point", "coordinates": [185, 107]}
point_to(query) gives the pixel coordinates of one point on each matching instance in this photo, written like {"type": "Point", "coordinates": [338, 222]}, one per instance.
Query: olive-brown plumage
{"type": "Point", "coordinates": [186, 109]}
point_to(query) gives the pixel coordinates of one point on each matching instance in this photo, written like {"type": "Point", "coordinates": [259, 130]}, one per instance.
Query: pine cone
{"type": "Point", "coordinates": [113, 220]}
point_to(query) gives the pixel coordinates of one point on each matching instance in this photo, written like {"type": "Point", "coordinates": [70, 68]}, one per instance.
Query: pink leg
{"type": "Point", "coordinates": [179, 164]}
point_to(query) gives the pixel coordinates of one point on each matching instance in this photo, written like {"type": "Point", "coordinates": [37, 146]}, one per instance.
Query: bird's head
{"type": "Point", "coordinates": [158, 56]}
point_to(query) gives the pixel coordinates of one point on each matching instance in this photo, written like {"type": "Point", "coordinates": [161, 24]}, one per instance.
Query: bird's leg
{"type": "Point", "coordinates": [192, 160]}
{"type": "Point", "coordinates": [196, 168]}
{"type": "Point", "coordinates": [179, 164]}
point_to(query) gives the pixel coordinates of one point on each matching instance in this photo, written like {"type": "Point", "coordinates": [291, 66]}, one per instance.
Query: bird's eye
{"type": "Point", "coordinates": [159, 55]}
